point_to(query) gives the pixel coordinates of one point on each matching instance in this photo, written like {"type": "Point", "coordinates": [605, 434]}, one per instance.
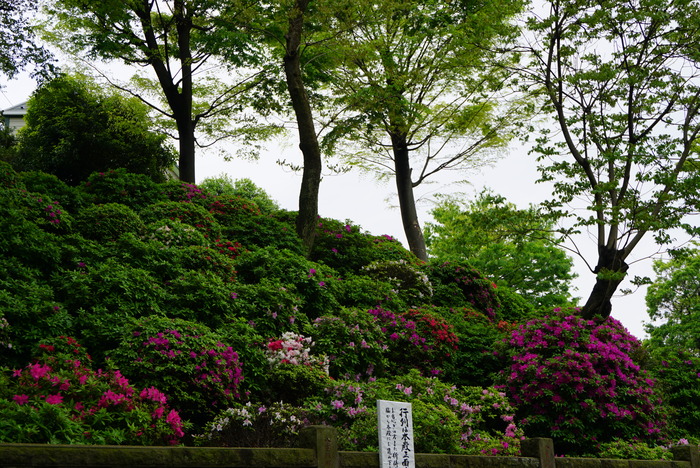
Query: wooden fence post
{"type": "Point", "coordinates": [324, 440]}
{"type": "Point", "coordinates": [540, 448]}
{"type": "Point", "coordinates": [689, 453]}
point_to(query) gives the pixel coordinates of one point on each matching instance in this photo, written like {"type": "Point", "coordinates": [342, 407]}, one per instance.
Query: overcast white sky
{"type": "Point", "coordinates": [369, 204]}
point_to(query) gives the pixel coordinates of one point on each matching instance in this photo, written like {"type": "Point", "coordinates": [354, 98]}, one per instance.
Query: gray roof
{"type": "Point", "coordinates": [16, 111]}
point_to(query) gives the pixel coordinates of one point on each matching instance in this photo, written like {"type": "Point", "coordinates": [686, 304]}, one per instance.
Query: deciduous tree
{"type": "Point", "coordinates": [673, 301]}
{"type": "Point", "coordinates": [515, 247]}
{"type": "Point", "coordinates": [73, 129]}
{"type": "Point", "coordinates": [183, 42]}
{"type": "Point", "coordinates": [620, 79]}
{"type": "Point", "coordinates": [18, 45]}
{"type": "Point", "coordinates": [417, 85]}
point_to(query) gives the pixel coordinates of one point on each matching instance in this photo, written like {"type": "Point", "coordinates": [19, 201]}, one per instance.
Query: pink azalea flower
{"type": "Point", "coordinates": [54, 399]}
{"type": "Point", "coordinates": [20, 399]}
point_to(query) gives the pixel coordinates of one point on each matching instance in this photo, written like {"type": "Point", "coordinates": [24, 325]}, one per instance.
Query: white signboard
{"type": "Point", "coordinates": [395, 423]}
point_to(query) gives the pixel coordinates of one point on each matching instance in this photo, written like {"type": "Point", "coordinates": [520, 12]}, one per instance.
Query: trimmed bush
{"type": "Point", "coordinates": [575, 381]}
{"type": "Point", "coordinates": [189, 213]}
{"type": "Point", "coordinates": [60, 399]}
{"type": "Point", "coordinates": [190, 364]}
{"type": "Point", "coordinates": [108, 222]}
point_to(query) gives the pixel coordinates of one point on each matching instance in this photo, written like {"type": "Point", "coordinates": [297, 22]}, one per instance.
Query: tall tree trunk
{"type": "Point", "coordinates": [407, 202]}
{"type": "Point", "coordinates": [611, 270]}
{"type": "Point", "coordinates": [183, 115]}
{"type": "Point", "coordinates": [186, 163]}
{"type": "Point", "coordinates": [179, 100]}
{"type": "Point", "coordinates": [307, 218]}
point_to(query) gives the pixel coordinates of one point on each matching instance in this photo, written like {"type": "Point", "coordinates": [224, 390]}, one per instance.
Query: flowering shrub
{"type": "Point", "coordinates": [177, 191]}
{"type": "Point", "coordinates": [104, 297]}
{"type": "Point", "coordinates": [227, 208]}
{"type": "Point", "coordinates": [189, 213]}
{"type": "Point", "coordinates": [248, 425]}
{"type": "Point", "coordinates": [574, 381]}
{"type": "Point", "coordinates": [295, 373]}
{"type": "Point", "coordinates": [8, 177]}
{"type": "Point", "coordinates": [447, 419]}
{"type": "Point", "coordinates": [41, 182]}
{"type": "Point", "coordinates": [107, 222]}
{"type": "Point", "coordinates": [364, 292]}
{"type": "Point", "coordinates": [344, 247]}
{"type": "Point", "coordinates": [173, 232]}
{"type": "Point", "coordinates": [293, 349]}
{"type": "Point", "coordinates": [416, 339]}
{"type": "Point", "coordinates": [413, 284]}
{"type": "Point", "coordinates": [228, 248]}
{"type": "Point", "coordinates": [190, 364]}
{"type": "Point", "coordinates": [60, 399]}
{"type": "Point", "coordinates": [353, 342]}
{"type": "Point", "coordinates": [119, 186]}
{"type": "Point", "coordinates": [455, 284]}
{"type": "Point", "coordinates": [313, 283]}
{"type": "Point", "coordinates": [473, 362]}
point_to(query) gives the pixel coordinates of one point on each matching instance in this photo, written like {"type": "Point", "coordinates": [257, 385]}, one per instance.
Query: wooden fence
{"type": "Point", "coordinates": [319, 449]}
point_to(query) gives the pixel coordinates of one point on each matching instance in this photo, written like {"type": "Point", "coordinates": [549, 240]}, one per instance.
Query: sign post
{"type": "Point", "coordinates": [395, 423]}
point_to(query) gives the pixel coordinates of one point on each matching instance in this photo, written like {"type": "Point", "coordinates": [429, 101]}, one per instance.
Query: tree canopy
{"type": "Point", "coordinates": [18, 46]}
{"type": "Point", "coordinates": [183, 42]}
{"type": "Point", "coordinates": [418, 85]}
{"type": "Point", "coordinates": [73, 129]}
{"type": "Point", "coordinates": [673, 301]}
{"type": "Point", "coordinates": [620, 80]}
{"type": "Point", "coordinates": [515, 247]}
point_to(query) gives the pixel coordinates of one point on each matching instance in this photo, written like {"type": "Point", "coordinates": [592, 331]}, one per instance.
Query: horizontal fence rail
{"type": "Point", "coordinates": [319, 449]}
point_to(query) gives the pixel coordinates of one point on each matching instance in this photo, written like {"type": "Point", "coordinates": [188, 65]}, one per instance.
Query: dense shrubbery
{"type": "Point", "coordinates": [576, 381]}
{"type": "Point", "coordinates": [203, 294]}
{"type": "Point", "coordinates": [59, 398]}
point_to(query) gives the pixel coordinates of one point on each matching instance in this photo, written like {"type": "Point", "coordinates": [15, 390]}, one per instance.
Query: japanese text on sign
{"type": "Point", "coordinates": [395, 429]}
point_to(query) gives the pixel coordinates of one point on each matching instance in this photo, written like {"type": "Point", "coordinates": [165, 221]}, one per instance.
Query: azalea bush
{"type": "Point", "coordinates": [192, 214]}
{"type": "Point", "coordinates": [119, 186]}
{"type": "Point", "coordinates": [575, 381]}
{"type": "Point", "coordinates": [346, 248]}
{"type": "Point", "coordinates": [67, 196]}
{"type": "Point", "coordinates": [60, 398]}
{"type": "Point", "coordinates": [294, 372]}
{"type": "Point", "coordinates": [178, 191]}
{"type": "Point", "coordinates": [197, 371]}
{"type": "Point", "coordinates": [354, 343]}
{"type": "Point", "coordinates": [313, 283]}
{"type": "Point", "coordinates": [447, 419]}
{"type": "Point", "coordinates": [416, 339]}
{"type": "Point", "coordinates": [457, 283]}
{"type": "Point", "coordinates": [109, 221]}
{"type": "Point", "coordinates": [260, 425]}
{"type": "Point", "coordinates": [404, 276]}
{"type": "Point", "coordinates": [269, 306]}
{"type": "Point", "coordinates": [473, 361]}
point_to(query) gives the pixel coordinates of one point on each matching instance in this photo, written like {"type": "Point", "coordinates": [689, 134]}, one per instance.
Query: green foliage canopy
{"type": "Point", "coordinates": [181, 43]}
{"type": "Point", "coordinates": [18, 47]}
{"type": "Point", "coordinates": [620, 80]}
{"type": "Point", "coordinates": [419, 81]}
{"type": "Point", "coordinates": [73, 129]}
{"type": "Point", "coordinates": [674, 298]}
{"type": "Point", "coordinates": [515, 247]}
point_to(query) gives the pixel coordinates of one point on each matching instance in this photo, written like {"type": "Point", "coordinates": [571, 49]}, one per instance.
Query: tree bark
{"type": "Point", "coordinates": [407, 202]}
{"type": "Point", "coordinates": [180, 101]}
{"type": "Point", "coordinates": [186, 164]}
{"type": "Point", "coordinates": [307, 217]}
{"type": "Point", "coordinates": [613, 267]}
